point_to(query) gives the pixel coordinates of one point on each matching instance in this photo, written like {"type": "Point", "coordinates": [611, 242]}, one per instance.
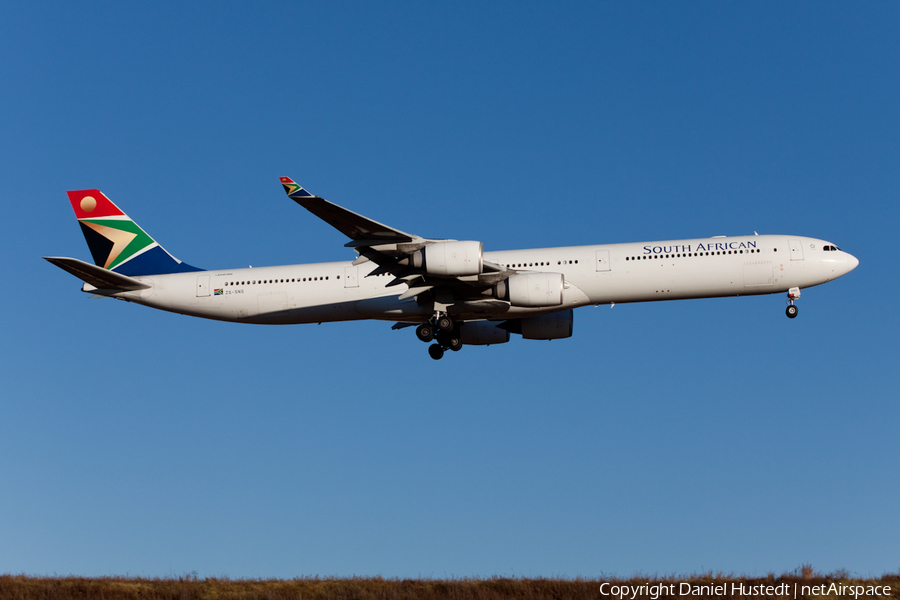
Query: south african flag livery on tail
{"type": "Point", "coordinates": [294, 190]}
{"type": "Point", "coordinates": [116, 242]}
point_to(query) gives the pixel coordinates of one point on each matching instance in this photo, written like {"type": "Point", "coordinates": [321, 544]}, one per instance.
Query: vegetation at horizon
{"type": "Point", "coordinates": [190, 587]}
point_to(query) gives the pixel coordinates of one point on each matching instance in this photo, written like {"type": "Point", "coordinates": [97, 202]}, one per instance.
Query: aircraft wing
{"type": "Point", "coordinates": [100, 278]}
{"type": "Point", "coordinates": [363, 232]}
{"type": "Point", "coordinates": [395, 251]}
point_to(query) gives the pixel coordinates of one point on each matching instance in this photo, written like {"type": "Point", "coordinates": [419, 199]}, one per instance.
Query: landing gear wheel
{"type": "Point", "coordinates": [435, 351]}
{"type": "Point", "coordinates": [455, 344]}
{"type": "Point", "coordinates": [791, 311]}
{"type": "Point", "coordinates": [445, 323]}
{"type": "Point", "coordinates": [425, 332]}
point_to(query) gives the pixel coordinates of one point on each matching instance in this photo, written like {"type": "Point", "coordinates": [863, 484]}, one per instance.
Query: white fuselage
{"type": "Point", "coordinates": [603, 274]}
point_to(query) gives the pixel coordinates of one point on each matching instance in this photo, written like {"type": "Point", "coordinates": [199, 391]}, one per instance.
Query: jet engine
{"type": "Point", "coordinates": [482, 333]}
{"type": "Point", "coordinates": [450, 259]}
{"type": "Point", "coordinates": [532, 289]}
{"type": "Point", "coordinates": [554, 326]}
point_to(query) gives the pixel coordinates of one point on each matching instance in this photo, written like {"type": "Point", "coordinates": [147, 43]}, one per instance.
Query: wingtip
{"type": "Point", "coordinates": [293, 189]}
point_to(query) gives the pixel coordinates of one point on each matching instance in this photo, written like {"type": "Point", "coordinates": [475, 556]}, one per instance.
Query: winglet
{"type": "Point", "coordinates": [293, 189]}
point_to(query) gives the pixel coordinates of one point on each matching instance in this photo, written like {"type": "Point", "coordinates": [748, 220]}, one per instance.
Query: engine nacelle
{"type": "Point", "coordinates": [532, 289]}
{"type": "Point", "coordinates": [482, 333]}
{"type": "Point", "coordinates": [450, 259]}
{"type": "Point", "coordinates": [554, 326]}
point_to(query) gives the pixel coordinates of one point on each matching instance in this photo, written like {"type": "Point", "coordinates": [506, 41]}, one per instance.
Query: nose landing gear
{"type": "Point", "coordinates": [444, 331]}
{"type": "Point", "coordinates": [792, 310]}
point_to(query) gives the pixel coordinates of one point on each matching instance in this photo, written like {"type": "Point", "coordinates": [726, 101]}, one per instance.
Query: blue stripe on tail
{"type": "Point", "coordinates": [155, 261]}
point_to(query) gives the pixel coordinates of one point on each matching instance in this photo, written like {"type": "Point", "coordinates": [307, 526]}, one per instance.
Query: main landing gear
{"type": "Point", "coordinates": [444, 331]}
{"type": "Point", "coordinates": [791, 311]}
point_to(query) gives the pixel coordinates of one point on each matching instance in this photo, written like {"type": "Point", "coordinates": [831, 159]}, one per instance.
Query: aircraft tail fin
{"type": "Point", "coordinates": [117, 243]}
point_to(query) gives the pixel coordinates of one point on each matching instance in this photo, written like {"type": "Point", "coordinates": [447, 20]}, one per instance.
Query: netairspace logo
{"type": "Point", "coordinates": [661, 590]}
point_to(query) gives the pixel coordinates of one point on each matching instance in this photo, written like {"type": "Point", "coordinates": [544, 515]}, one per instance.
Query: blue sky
{"type": "Point", "coordinates": [662, 438]}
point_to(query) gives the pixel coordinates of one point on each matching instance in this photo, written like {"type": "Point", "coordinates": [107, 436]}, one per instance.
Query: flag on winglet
{"type": "Point", "coordinates": [293, 189]}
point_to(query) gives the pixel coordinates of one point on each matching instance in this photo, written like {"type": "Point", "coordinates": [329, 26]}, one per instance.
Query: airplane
{"type": "Point", "coordinates": [453, 292]}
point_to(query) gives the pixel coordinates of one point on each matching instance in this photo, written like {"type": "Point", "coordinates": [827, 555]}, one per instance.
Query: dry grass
{"type": "Point", "coordinates": [22, 587]}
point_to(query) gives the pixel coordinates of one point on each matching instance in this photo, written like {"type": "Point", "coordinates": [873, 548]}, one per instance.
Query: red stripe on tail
{"type": "Point", "coordinates": [89, 204]}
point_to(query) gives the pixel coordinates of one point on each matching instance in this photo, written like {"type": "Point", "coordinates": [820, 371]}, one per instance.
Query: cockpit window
{"type": "Point", "coordinates": [830, 248]}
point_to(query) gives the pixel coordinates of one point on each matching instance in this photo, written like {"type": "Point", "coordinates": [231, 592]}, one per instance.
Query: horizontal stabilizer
{"type": "Point", "coordinates": [98, 277]}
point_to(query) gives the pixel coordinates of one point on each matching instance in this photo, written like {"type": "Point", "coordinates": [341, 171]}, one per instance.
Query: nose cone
{"type": "Point", "coordinates": [852, 262]}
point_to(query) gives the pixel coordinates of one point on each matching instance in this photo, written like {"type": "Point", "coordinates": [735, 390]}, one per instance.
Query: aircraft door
{"type": "Point", "coordinates": [796, 249]}
{"type": "Point", "coordinates": [202, 286]}
{"type": "Point", "coordinates": [351, 277]}
{"type": "Point", "coordinates": [603, 260]}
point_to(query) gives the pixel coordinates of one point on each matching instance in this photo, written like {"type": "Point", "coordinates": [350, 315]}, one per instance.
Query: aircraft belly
{"type": "Point", "coordinates": [391, 308]}
{"type": "Point", "coordinates": [322, 313]}
{"type": "Point", "coordinates": [804, 274]}
{"type": "Point", "coordinates": [664, 282]}
{"type": "Point", "coordinates": [324, 305]}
